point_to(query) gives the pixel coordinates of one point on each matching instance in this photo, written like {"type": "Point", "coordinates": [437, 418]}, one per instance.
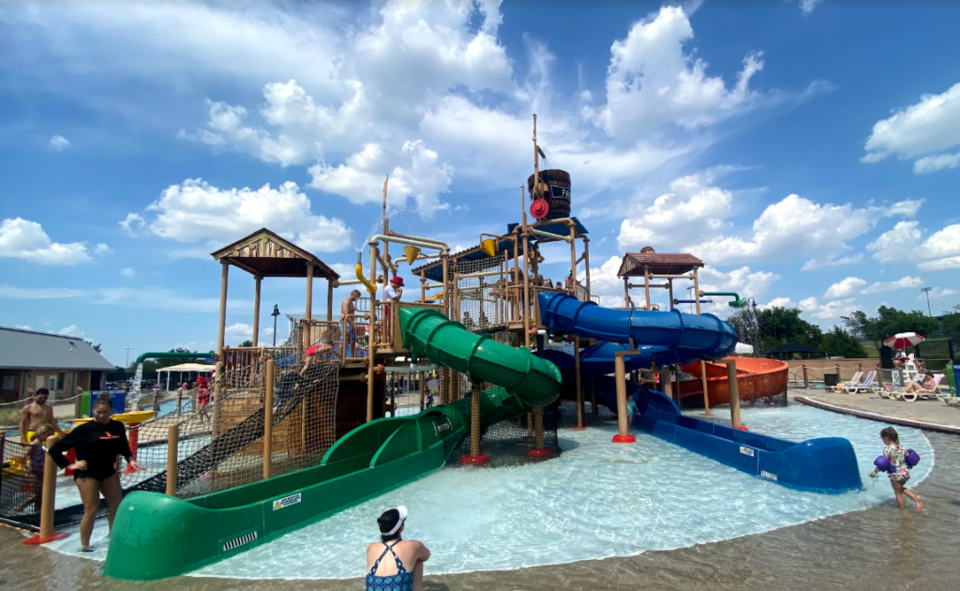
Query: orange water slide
{"type": "Point", "coordinates": [757, 378]}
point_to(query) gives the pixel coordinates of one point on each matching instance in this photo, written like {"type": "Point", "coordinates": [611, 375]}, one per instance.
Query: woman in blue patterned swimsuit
{"type": "Point", "coordinates": [405, 571]}
{"type": "Point", "coordinates": [901, 472]}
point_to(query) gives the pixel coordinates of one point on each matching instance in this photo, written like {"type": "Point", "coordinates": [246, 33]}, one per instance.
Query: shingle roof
{"type": "Point", "coordinates": [659, 264]}
{"type": "Point", "coordinates": [26, 349]}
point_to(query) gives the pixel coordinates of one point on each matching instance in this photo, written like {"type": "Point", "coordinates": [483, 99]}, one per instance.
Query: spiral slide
{"type": "Point", "coordinates": [827, 465]}
{"type": "Point", "coordinates": [157, 536]}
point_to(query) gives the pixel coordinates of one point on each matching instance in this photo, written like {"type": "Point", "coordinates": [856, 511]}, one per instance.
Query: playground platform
{"type": "Point", "coordinates": [932, 415]}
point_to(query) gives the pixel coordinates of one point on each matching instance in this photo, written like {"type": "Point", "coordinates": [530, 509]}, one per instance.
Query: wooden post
{"type": "Point", "coordinates": [256, 310]}
{"type": "Point", "coordinates": [734, 389]}
{"type": "Point", "coordinates": [586, 262]}
{"type": "Point", "coordinates": [217, 392]}
{"type": "Point", "coordinates": [329, 300]}
{"type": "Point", "coordinates": [667, 387]}
{"type": "Point", "coordinates": [48, 500]}
{"type": "Point", "coordinates": [836, 367]}
{"type": "Point", "coordinates": [308, 314]}
{"type": "Point", "coordinates": [224, 275]}
{"type": "Point", "coordinates": [623, 420]}
{"type": "Point", "coordinates": [173, 443]}
{"type": "Point", "coordinates": [372, 341]}
{"type": "Point", "coordinates": [578, 384]}
{"type": "Point", "coordinates": [880, 375]}
{"type": "Point", "coordinates": [646, 286]}
{"type": "Point", "coordinates": [268, 418]}
{"type": "Point", "coordinates": [806, 378]}
{"type": "Point", "coordinates": [475, 458]}
{"type": "Point", "coordinates": [703, 366]}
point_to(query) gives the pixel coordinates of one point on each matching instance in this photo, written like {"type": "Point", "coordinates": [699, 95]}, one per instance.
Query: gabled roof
{"type": "Point", "coordinates": [266, 254]}
{"type": "Point", "coordinates": [26, 349]}
{"type": "Point", "coordinates": [634, 263]}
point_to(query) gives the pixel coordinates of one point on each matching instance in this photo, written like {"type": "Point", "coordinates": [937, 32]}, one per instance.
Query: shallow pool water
{"type": "Point", "coordinates": [597, 500]}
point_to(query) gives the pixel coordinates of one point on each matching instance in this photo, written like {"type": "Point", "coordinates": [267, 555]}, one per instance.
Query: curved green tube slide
{"type": "Point", "coordinates": [157, 536]}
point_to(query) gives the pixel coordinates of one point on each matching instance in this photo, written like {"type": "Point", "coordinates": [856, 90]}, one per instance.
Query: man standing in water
{"type": "Point", "coordinates": [348, 308]}
{"type": "Point", "coordinates": [37, 412]}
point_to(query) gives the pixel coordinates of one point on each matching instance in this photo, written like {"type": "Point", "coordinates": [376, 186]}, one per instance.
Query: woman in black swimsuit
{"type": "Point", "coordinates": [98, 444]}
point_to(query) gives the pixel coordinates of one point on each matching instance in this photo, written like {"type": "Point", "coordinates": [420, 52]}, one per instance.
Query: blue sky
{"type": "Point", "coordinates": [807, 151]}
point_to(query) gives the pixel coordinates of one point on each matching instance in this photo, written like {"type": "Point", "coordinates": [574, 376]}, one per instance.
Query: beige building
{"type": "Point", "coordinates": [30, 359]}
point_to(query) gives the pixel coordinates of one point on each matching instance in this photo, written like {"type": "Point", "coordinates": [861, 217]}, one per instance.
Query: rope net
{"type": "Point", "coordinates": [220, 441]}
{"type": "Point", "coordinates": [480, 297]}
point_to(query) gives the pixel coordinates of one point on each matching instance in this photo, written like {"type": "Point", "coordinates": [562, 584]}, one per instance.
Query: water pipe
{"type": "Point", "coordinates": [676, 302]}
{"type": "Point", "coordinates": [371, 288]}
{"type": "Point", "coordinates": [736, 303]}
{"type": "Point", "coordinates": [172, 355]}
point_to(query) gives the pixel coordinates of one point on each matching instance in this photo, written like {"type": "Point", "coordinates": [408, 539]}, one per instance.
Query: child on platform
{"type": "Point", "coordinates": [33, 461]}
{"type": "Point", "coordinates": [901, 474]}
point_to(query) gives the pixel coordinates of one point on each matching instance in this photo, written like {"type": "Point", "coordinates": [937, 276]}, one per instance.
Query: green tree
{"type": "Point", "coordinates": [951, 326]}
{"type": "Point", "coordinates": [888, 322]}
{"type": "Point", "coordinates": [247, 343]}
{"type": "Point", "coordinates": [773, 327]}
{"type": "Point", "coordinates": [840, 343]}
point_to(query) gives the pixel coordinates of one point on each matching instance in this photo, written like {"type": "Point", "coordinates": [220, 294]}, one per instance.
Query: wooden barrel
{"type": "Point", "coordinates": [558, 196]}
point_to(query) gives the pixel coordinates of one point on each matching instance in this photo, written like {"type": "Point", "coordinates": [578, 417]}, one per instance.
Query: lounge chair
{"type": "Point", "coordinates": [853, 382]}
{"type": "Point", "coordinates": [924, 393]}
{"type": "Point", "coordinates": [865, 386]}
{"type": "Point", "coordinates": [950, 400]}
{"type": "Point", "coordinates": [888, 391]}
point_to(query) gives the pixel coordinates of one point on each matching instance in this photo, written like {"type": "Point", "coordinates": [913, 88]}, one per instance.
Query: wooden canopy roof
{"type": "Point", "coordinates": [265, 254]}
{"type": "Point", "coordinates": [634, 263]}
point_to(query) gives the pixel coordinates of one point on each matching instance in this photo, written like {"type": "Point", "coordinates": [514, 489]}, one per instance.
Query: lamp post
{"type": "Point", "coordinates": [276, 312]}
{"type": "Point", "coordinates": [926, 290]}
{"type": "Point", "coordinates": [128, 349]}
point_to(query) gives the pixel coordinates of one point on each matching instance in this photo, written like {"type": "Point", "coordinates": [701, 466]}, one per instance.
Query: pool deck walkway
{"type": "Point", "coordinates": [932, 415]}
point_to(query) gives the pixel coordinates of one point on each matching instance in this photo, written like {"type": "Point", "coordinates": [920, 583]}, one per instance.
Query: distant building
{"type": "Point", "coordinates": [36, 360]}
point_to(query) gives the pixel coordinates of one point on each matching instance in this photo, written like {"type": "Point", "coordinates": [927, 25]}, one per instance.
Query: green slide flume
{"type": "Point", "coordinates": [157, 536]}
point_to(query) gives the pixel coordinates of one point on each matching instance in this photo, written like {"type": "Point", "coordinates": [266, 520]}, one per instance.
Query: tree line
{"type": "Point", "coordinates": [776, 326]}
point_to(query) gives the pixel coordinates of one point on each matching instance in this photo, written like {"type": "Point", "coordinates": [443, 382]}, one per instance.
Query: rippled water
{"type": "Point", "coordinates": [597, 500]}
{"type": "Point", "coordinates": [879, 547]}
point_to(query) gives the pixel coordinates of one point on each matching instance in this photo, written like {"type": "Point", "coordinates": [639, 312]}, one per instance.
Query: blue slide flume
{"type": "Point", "coordinates": [827, 464]}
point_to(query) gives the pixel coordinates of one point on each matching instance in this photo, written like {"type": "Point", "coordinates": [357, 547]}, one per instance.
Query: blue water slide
{"type": "Point", "coordinates": [682, 337]}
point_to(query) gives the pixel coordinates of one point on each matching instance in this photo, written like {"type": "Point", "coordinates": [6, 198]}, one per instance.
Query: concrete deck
{"type": "Point", "coordinates": [923, 414]}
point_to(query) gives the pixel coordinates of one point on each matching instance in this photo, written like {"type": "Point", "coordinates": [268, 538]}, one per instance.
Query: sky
{"type": "Point", "coordinates": [807, 150]}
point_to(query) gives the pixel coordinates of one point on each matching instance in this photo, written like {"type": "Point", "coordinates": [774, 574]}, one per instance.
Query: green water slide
{"type": "Point", "coordinates": [157, 536]}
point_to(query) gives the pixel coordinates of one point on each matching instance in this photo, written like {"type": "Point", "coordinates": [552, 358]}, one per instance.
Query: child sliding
{"type": "Point", "coordinates": [900, 472]}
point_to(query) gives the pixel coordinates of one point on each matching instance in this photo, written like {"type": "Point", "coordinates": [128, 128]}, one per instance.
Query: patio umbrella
{"type": "Point", "coordinates": [902, 340]}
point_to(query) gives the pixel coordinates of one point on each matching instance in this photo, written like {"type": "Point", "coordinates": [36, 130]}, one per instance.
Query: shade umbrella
{"type": "Point", "coordinates": [902, 340]}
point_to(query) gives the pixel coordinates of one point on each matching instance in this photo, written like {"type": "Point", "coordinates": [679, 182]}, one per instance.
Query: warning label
{"type": "Point", "coordinates": [746, 451]}
{"type": "Point", "coordinates": [286, 502]}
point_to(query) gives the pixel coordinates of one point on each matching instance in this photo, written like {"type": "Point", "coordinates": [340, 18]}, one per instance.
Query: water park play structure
{"type": "Point", "coordinates": [297, 432]}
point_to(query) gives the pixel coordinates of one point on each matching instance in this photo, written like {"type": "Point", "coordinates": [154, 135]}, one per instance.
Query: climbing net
{"type": "Point", "coordinates": [220, 440]}
{"type": "Point", "coordinates": [480, 297]}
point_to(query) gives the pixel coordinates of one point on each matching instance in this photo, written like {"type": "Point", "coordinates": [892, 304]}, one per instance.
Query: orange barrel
{"type": "Point", "coordinates": [556, 192]}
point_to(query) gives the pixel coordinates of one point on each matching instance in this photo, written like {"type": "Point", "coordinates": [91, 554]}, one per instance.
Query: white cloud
{"type": "Point", "coordinates": [907, 208]}
{"type": "Point", "coordinates": [128, 272]}
{"type": "Point", "coordinates": [905, 242]}
{"type": "Point", "coordinates": [58, 143]}
{"type": "Point", "coordinates": [239, 332]}
{"type": "Point", "coordinates": [195, 210]}
{"type": "Point", "coordinates": [832, 261]}
{"type": "Point", "coordinates": [938, 293]}
{"type": "Point", "coordinates": [605, 283]}
{"type": "Point", "coordinates": [902, 283]}
{"type": "Point", "coordinates": [929, 164]}
{"type": "Point", "coordinates": [779, 302]}
{"type": "Point", "coordinates": [159, 298]}
{"type": "Point", "coordinates": [73, 330]}
{"type": "Point", "coordinates": [807, 6]}
{"type": "Point", "coordinates": [415, 172]}
{"type": "Point", "coordinates": [691, 210]}
{"type": "Point", "coordinates": [132, 223]}
{"type": "Point", "coordinates": [847, 287]}
{"type": "Point", "coordinates": [743, 281]}
{"type": "Point", "coordinates": [102, 249]}
{"type": "Point", "coordinates": [790, 227]}
{"type": "Point", "coordinates": [928, 126]}
{"type": "Point", "coordinates": [26, 240]}
{"type": "Point", "coordinates": [23, 326]}
{"type": "Point", "coordinates": [651, 80]}
{"type": "Point", "coordinates": [831, 310]}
